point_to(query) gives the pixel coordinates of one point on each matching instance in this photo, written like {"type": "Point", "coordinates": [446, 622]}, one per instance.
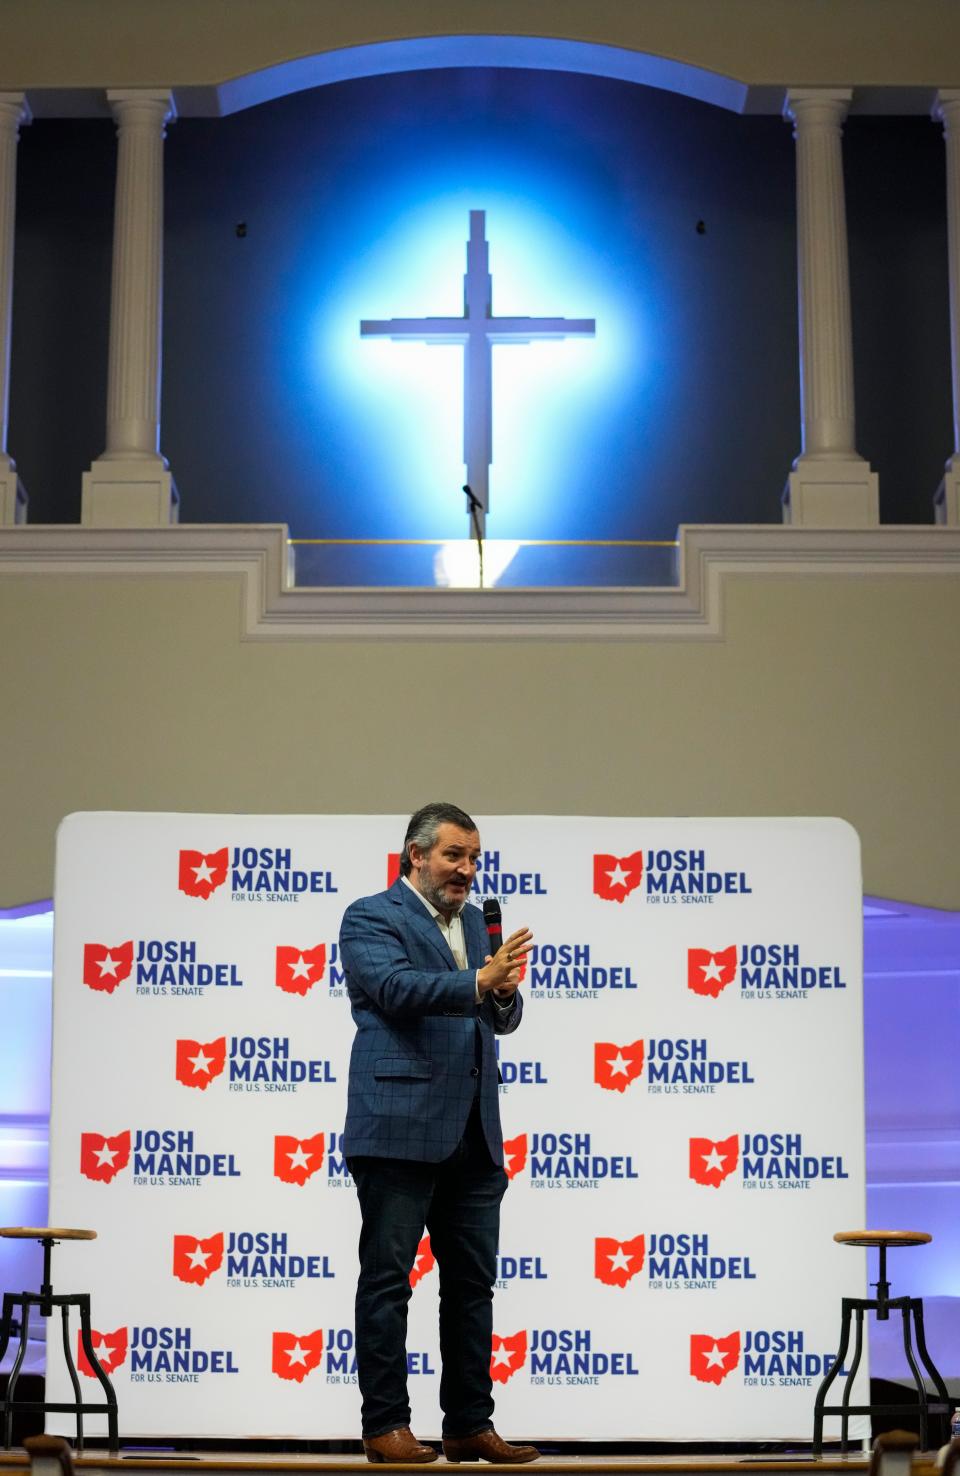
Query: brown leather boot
{"type": "Point", "coordinates": [487, 1446]}
{"type": "Point", "coordinates": [398, 1445]}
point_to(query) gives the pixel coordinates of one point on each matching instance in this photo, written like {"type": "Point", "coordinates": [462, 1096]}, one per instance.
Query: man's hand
{"type": "Point", "coordinates": [501, 971]}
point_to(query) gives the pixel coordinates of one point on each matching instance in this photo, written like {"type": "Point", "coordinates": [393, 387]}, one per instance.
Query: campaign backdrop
{"type": "Point", "coordinates": [682, 1109]}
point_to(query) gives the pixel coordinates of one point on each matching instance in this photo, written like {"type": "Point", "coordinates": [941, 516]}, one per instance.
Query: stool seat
{"type": "Point", "coordinates": [871, 1239]}
{"type": "Point", "coordinates": [44, 1232]}
{"type": "Point", "coordinates": [45, 1302]}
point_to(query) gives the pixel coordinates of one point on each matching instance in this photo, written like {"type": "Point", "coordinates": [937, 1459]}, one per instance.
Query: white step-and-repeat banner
{"type": "Point", "coordinates": [682, 1108]}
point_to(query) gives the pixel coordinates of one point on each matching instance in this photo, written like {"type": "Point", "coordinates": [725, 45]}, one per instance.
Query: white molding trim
{"type": "Point", "coordinates": [272, 608]}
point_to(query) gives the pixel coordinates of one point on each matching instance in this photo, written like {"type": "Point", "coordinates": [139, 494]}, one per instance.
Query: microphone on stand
{"type": "Point", "coordinates": [476, 507]}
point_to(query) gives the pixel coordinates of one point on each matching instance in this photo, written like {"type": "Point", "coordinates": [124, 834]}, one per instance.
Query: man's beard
{"type": "Point", "coordinates": [435, 895]}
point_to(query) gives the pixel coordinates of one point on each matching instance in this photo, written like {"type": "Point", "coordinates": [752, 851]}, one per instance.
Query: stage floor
{"type": "Point", "coordinates": [159, 1461]}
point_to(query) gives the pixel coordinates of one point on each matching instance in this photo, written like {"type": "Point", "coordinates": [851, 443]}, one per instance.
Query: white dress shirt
{"type": "Point", "coordinates": [453, 937]}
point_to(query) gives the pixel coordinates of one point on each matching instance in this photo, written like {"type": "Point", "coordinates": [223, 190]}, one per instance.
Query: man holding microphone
{"type": "Point", "coordinates": [428, 992]}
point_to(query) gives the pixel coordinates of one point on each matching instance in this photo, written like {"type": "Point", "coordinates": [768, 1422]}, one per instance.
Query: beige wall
{"type": "Point", "coordinates": [828, 695]}
{"type": "Point", "coordinates": [96, 43]}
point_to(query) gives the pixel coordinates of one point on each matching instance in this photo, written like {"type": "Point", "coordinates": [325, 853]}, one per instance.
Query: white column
{"type": "Point", "coordinates": [13, 112]}
{"type": "Point", "coordinates": [946, 110]}
{"type": "Point", "coordinates": [830, 485]}
{"type": "Point", "coordinates": [130, 485]}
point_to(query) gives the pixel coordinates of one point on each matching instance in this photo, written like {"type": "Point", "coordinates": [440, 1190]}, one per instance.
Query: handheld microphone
{"type": "Point", "coordinates": [493, 919]}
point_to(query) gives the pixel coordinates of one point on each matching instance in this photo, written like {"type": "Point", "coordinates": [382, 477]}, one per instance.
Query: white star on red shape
{"type": "Point", "coordinates": [619, 1260]}
{"type": "Point", "coordinates": [711, 970]}
{"type": "Point", "coordinates": [297, 1354]}
{"type": "Point", "coordinates": [105, 1156]}
{"type": "Point", "coordinates": [108, 965]}
{"type": "Point", "coordinates": [198, 1258]}
{"type": "Point", "coordinates": [508, 1162]}
{"type": "Point", "coordinates": [501, 1357]}
{"type": "Point", "coordinates": [619, 1065]}
{"type": "Point", "coordinates": [300, 969]}
{"type": "Point", "coordinates": [203, 872]}
{"type": "Point", "coordinates": [299, 1158]}
{"type": "Point", "coordinates": [714, 1161]}
{"type": "Point", "coordinates": [714, 1357]}
{"type": "Point", "coordinates": [201, 1062]}
{"type": "Point", "coordinates": [618, 877]}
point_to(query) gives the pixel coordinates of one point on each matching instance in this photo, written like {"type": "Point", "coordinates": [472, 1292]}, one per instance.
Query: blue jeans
{"type": "Point", "coordinates": [458, 1201]}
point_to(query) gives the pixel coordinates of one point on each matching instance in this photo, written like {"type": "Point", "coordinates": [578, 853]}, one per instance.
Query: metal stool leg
{"type": "Point", "coordinates": [86, 1339]}
{"type": "Point", "coordinates": [72, 1371]}
{"type": "Point", "coordinates": [925, 1358]}
{"type": "Point", "coordinates": [6, 1322]}
{"type": "Point", "coordinates": [6, 1327]}
{"type": "Point", "coordinates": [917, 1377]}
{"type": "Point", "coordinates": [24, 1303]}
{"type": "Point", "coordinates": [848, 1384]}
{"type": "Point", "coordinates": [829, 1377]}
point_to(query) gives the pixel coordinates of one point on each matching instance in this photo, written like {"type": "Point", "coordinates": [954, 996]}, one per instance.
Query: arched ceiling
{"type": "Point", "coordinates": [219, 56]}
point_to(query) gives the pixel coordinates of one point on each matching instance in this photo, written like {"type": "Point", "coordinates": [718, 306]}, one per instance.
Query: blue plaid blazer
{"type": "Point", "coordinates": [421, 1036]}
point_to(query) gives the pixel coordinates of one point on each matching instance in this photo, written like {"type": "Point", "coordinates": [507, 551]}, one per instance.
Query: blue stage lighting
{"type": "Point", "coordinates": [554, 401]}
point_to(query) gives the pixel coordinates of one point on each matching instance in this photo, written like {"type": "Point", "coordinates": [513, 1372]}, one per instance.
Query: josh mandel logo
{"type": "Point", "coordinates": [254, 1258]}
{"type": "Point", "coordinates": [162, 1157]}
{"type": "Point", "coordinates": [672, 1066]}
{"type": "Point", "coordinates": [683, 1261]}
{"type": "Point", "coordinates": [765, 1161]}
{"type": "Point", "coordinates": [261, 1063]}
{"type": "Point", "coordinates": [771, 1358]}
{"type": "Point", "coordinates": [665, 876]}
{"type": "Point", "coordinates": [160, 967]}
{"type": "Point", "coordinates": [157, 1355]}
{"type": "Point", "coordinates": [761, 970]}
{"type": "Point", "coordinates": [254, 873]}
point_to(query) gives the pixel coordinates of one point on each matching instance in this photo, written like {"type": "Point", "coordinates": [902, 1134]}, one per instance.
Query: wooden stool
{"type": "Point", "coordinates": [45, 1300]}
{"type": "Point", "coordinates": [882, 1304]}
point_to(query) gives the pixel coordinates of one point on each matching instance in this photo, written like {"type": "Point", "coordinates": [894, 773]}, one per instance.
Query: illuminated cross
{"type": "Point", "coordinates": [478, 330]}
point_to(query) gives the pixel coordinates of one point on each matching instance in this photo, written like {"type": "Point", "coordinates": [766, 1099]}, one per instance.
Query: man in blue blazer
{"type": "Point", "coordinates": [422, 1135]}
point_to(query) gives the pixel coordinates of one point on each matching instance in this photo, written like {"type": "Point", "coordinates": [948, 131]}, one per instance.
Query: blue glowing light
{"type": "Point", "coordinates": [554, 401]}
{"type": "Point", "coordinates": [478, 330]}
{"type": "Point", "coordinates": [26, 949]}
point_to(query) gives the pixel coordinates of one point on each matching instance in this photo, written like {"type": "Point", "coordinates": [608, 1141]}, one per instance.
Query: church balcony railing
{"type": "Point", "coordinates": [455, 563]}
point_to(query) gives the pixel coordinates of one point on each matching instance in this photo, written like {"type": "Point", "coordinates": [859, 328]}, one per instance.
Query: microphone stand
{"type": "Point", "coordinates": [475, 507]}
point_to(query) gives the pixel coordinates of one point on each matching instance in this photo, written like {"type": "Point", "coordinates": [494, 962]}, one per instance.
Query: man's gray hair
{"type": "Point", "coordinates": [423, 827]}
